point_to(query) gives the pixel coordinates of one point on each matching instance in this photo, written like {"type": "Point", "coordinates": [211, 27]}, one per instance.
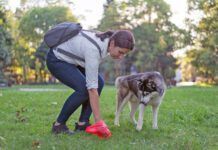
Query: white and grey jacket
{"type": "Point", "coordinates": [85, 54]}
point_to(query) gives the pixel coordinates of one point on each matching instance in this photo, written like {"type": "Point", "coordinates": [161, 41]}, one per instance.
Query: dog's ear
{"type": "Point", "coordinates": [139, 81]}
{"type": "Point", "coordinates": [140, 84]}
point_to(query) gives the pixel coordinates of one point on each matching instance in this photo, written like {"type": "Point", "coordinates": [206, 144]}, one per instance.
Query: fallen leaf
{"type": "Point", "coordinates": [2, 138]}
{"type": "Point", "coordinates": [54, 103]}
{"type": "Point", "coordinates": [36, 144]}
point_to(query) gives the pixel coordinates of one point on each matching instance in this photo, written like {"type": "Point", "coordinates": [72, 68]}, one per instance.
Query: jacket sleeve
{"type": "Point", "coordinates": [92, 61]}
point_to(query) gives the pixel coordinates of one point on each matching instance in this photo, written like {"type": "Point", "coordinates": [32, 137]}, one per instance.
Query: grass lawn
{"type": "Point", "coordinates": [188, 119]}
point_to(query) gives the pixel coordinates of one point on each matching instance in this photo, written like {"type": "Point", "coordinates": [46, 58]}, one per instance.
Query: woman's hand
{"type": "Point", "coordinates": [100, 129]}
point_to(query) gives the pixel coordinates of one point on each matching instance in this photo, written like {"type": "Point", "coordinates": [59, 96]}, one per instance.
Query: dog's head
{"type": "Point", "coordinates": [146, 86]}
{"type": "Point", "coordinates": [150, 84]}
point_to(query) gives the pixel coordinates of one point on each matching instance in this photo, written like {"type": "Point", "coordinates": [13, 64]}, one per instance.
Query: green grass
{"type": "Point", "coordinates": [187, 120]}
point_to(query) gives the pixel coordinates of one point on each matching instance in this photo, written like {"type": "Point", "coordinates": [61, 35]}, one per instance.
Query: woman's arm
{"type": "Point", "coordinates": [92, 60]}
{"type": "Point", "coordinates": [94, 102]}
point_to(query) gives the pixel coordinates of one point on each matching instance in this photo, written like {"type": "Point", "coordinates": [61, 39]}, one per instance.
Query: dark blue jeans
{"type": "Point", "coordinates": [74, 77]}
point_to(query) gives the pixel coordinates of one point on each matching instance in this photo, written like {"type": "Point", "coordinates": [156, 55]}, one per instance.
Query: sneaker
{"type": "Point", "coordinates": [62, 128]}
{"type": "Point", "coordinates": [81, 127]}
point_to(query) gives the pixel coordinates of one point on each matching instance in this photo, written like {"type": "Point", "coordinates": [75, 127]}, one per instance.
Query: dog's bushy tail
{"type": "Point", "coordinates": [117, 82]}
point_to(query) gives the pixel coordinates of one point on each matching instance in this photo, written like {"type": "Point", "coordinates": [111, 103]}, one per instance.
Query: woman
{"type": "Point", "coordinates": [75, 63]}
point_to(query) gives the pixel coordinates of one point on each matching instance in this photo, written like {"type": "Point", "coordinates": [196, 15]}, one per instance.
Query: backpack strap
{"type": "Point", "coordinates": [69, 54]}
{"type": "Point", "coordinates": [92, 41]}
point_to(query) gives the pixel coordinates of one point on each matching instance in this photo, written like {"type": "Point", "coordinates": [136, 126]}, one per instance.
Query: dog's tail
{"type": "Point", "coordinates": [117, 82]}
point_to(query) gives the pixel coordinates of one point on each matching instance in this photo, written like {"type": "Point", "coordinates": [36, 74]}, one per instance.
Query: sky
{"type": "Point", "coordinates": [90, 11]}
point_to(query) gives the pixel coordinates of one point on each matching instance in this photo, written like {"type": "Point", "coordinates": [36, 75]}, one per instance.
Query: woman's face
{"type": "Point", "coordinates": [117, 52]}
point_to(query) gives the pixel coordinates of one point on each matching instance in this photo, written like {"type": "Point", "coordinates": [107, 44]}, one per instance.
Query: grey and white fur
{"type": "Point", "coordinates": [140, 90]}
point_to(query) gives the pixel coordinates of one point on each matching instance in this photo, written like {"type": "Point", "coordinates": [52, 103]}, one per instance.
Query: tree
{"type": "Point", "coordinates": [111, 21]}
{"type": "Point", "coordinates": [33, 26]}
{"type": "Point", "coordinates": [204, 55]}
{"type": "Point", "coordinates": [111, 17]}
{"type": "Point", "coordinates": [5, 44]}
{"type": "Point", "coordinates": [156, 37]}
{"type": "Point", "coordinates": [37, 21]}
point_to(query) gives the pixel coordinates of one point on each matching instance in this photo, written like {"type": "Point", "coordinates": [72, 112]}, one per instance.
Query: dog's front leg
{"type": "Point", "coordinates": [133, 108]}
{"type": "Point", "coordinates": [140, 119]}
{"type": "Point", "coordinates": [155, 115]}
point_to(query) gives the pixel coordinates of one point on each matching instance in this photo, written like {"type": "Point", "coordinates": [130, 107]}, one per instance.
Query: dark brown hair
{"type": "Point", "coordinates": [121, 38]}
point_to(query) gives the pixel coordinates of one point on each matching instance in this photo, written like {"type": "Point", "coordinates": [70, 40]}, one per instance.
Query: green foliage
{"type": "Point", "coordinates": [111, 18]}
{"type": "Point", "coordinates": [5, 44]}
{"type": "Point", "coordinates": [5, 40]}
{"type": "Point", "coordinates": [205, 63]}
{"type": "Point", "coordinates": [37, 21]}
{"type": "Point", "coordinates": [156, 37]}
{"type": "Point", "coordinates": [187, 120]}
{"type": "Point", "coordinates": [205, 56]}
{"type": "Point", "coordinates": [33, 25]}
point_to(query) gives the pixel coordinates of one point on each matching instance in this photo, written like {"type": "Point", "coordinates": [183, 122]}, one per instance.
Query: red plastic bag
{"type": "Point", "coordinates": [100, 129]}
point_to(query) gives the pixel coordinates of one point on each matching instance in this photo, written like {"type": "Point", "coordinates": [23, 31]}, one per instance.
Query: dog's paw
{"type": "Point", "coordinates": [134, 122]}
{"type": "Point", "coordinates": [116, 124]}
{"type": "Point", "coordinates": [138, 128]}
{"type": "Point", "coordinates": [155, 127]}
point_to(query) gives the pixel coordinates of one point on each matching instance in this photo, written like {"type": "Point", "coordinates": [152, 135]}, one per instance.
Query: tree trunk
{"type": "Point", "coordinates": [24, 74]}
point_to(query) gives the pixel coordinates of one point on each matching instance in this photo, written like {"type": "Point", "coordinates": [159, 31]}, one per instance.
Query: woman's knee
{"type": "Point", "coordinates": [83, 92]}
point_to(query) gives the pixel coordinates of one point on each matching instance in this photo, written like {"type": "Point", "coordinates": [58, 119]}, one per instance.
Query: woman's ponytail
{"type": "Point", "coordinates": [121, 38]}
{"type": "Point", "coordinates": [105, 35]}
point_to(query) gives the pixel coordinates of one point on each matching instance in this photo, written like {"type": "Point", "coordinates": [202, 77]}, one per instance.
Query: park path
{"type": "Point", "coordinates": [41, 89]}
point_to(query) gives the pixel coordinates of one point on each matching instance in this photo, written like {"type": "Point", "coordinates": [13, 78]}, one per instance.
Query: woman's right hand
{"type": "Point", "coordinates": [100, 129]}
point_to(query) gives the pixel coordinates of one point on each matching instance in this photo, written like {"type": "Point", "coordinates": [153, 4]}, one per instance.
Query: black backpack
{"type": "Point", "coordinates": [63, 32]}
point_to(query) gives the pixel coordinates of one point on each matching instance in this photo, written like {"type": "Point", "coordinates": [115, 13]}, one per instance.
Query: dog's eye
{"type": "Point", "coordinates": [140, 87]}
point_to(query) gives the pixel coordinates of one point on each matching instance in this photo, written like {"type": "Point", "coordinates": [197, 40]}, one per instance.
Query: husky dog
{"type": "Point", "coordinates": [140, 90]}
